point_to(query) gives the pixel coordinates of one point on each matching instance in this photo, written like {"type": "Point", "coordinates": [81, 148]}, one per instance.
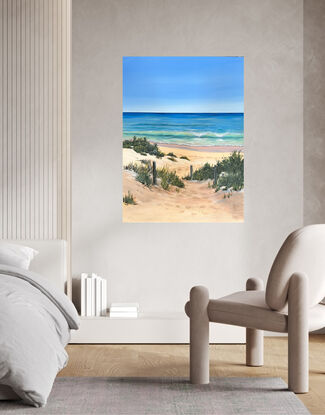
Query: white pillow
{"type": "Point", "coordinates": [16, 255]}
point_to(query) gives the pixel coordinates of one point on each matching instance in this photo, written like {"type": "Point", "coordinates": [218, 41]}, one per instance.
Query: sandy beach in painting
{"type": "Point", "coordinates": [196, 202]}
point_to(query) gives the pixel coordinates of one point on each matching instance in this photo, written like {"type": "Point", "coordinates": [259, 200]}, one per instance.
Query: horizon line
{"type": "Point", "coordinates": [181, 112]}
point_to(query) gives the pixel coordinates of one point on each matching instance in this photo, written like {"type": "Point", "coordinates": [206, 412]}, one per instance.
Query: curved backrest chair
{"type": "Point", "coordinates": [291, 303]}
{"type": "Point", "coordinates": [303, 251]}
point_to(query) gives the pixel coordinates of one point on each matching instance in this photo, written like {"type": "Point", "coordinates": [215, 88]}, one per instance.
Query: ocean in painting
{"type": "Point", "coordinates": [190, 129]}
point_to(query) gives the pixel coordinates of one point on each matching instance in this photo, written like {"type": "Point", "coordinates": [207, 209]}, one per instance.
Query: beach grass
{"type": "Point", "coordinates": [226, 173]}
{"type": "Point", "coordinates": [205, 172]}
{"type": "Point", "coordinates": [169, 178]}
{"type": "Point", "coordinates": [143, 172]}
{"type": "Point", "coordinates": [129, 199]}
{"type": "Point", "coordinates": [143, 146]}
{"type": "Point", "coordinates": [144, 175]}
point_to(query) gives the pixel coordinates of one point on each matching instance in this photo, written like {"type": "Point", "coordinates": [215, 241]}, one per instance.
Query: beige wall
{"type": "Point", "coordinates": [314, 105]}
{"type": "Point", "coordinates": [156, 264]}
{"type": "Point", "coordinates": [34, 118]}
{"type": "Point", "coordinates": [144, 261]}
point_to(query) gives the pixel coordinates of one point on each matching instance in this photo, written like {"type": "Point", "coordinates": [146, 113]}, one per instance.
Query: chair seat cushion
{"type": "Point", "coordinates": [249, 309]}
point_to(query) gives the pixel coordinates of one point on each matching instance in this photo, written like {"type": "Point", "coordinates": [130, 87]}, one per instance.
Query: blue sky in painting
{"type": "Point", "coordinates": [183, 84]}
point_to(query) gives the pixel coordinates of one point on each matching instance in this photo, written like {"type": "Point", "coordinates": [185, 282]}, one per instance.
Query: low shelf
{"type": "Point", "coordinates": [149, 327]}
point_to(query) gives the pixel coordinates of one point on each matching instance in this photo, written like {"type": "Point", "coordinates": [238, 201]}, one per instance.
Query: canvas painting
{"type": "Point", "coordinates": [183, 139]}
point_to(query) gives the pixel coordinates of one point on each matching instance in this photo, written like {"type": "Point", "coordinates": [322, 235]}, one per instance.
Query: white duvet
{"type": "Point", "coordinates": [35, 323]}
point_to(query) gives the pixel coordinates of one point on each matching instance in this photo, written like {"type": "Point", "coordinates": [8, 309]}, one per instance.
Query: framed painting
{"type": "Point", "coordinates": [183, 139]}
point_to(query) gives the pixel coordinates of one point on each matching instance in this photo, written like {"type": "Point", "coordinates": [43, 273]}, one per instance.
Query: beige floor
{"type": "Point", "coordinates": [172, 360]}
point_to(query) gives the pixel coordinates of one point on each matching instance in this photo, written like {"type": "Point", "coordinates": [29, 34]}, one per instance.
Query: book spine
{"type": "Point", "coordinates": [83, 298]}
{"type": "Point", "coordinates": [104, 297]}
{"type": "Point", "coordinates": [98, 295]}
{"type": "Point", "coordinates": [93, 296]}
{"type": "Point", "coordinates": [89, 296]}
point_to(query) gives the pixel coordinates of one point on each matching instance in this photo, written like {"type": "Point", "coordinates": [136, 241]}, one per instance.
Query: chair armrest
{"type": "Point", "coordinates": [298, 294]}
{"type": "Point", "coordinates": [254, 284]}
{"type": "Point", "coordinates": [188, 309]}
{"type": "Point", "coordinates": [199, 300]}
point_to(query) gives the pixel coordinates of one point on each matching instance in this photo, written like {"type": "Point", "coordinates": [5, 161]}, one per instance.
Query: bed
{"type": "Point", "coordinates": [35, 320]}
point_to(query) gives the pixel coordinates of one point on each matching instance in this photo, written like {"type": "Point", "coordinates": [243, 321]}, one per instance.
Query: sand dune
{"type": "Point", "coordinates": [181, 166]}
{"type": "Point", "coordinates": [197, 202]}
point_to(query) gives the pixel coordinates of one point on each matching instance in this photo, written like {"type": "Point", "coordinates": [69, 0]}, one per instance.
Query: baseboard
{"type": "Point", "coordinates": [149, 328]}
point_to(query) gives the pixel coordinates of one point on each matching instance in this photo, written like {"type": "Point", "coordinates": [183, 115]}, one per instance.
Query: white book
{"type": "Point", "coordinates": [128, 314]}
{"type": "Point", "coordinates": [104, 297]}
{"type": "Point", "coordinates": [83, 298]}
{"type": "Point", "coordinates": [93, 295]}
{"type": "Point", "coordinates": [98, 295]}
{"type": "Point", "coordinates": [89, 296]}
{"type": "Point", "coordinates": [122, 307]}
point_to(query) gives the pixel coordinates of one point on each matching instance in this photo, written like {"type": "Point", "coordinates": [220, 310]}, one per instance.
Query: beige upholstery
{"type": "Point", "coordinates": [249, 309]}
{"type": "Point", "coordinates": [304, 252]}
{"type": "Point", "coordinates": [290, 304]}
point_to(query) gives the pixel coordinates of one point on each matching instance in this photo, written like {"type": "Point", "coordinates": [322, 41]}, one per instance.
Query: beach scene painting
{"type": "Point", "coordinates": [183, 139]}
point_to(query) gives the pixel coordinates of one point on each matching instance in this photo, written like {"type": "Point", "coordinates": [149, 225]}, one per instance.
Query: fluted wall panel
{"type": "Point", "coordinates": [34, 118]}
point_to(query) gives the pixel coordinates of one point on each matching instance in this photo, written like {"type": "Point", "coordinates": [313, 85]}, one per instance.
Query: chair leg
{"type": "Point", "coordinates": [298, 365]}
{"type": "Point", "coordinates": [254, 347]}
{"type": "Point", "coordinates": [199, 335]}
{"type": "Point", "coordinates": [254, 338]}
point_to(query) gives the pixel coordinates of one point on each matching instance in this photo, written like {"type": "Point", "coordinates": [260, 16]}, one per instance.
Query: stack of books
{"type": "Point", "coordinates": [124, 310]}
{"type": "Point", "coordinates": [93, 295]}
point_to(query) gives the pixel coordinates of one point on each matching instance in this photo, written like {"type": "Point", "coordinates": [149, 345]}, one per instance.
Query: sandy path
{"type": "Point", "coordinates": [195, 203]}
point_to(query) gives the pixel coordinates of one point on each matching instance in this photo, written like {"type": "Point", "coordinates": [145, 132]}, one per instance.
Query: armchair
{"type": "Point", "coordinates": [290, 304]}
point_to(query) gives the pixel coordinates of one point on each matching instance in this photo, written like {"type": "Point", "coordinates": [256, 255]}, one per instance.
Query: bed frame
{"type": "Point", "coordinates": [51, 263]}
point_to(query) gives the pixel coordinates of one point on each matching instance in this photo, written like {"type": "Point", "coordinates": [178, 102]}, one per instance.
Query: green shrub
{"type": "Point", "coordinates": [144, 175]}
{"type": "Point", "coordinates": [129, 199]}
{"type": "Point", "coordinates": [232, 179]}
{"type": "Point", "coordinates": [146, 162]}
{"type": "Point", "coordinates": [233, 167]}
{"type": "Point", "coordinates": [143, 172]}
{"type": "Point", "coordinates": [164, 183]}
{"type": "Point", "coordinates": [143, 146]}
{"type": "Point", "coordinates": [184, 158]}
{"type": "Point", "coordinates": [172, 155]}
{"type": "Point", "coordinates": [229, 172]}
{"type": "Point", "coordinates": [171, 159]}
{"type": "Point", "coordinates": [132, 167]}
{"type": "Point", "coordinates": [204, 173]}
{"type": "Point", "coordinates": [169, 178]}
{"type": "Point", "coordinates": [127, 144]}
